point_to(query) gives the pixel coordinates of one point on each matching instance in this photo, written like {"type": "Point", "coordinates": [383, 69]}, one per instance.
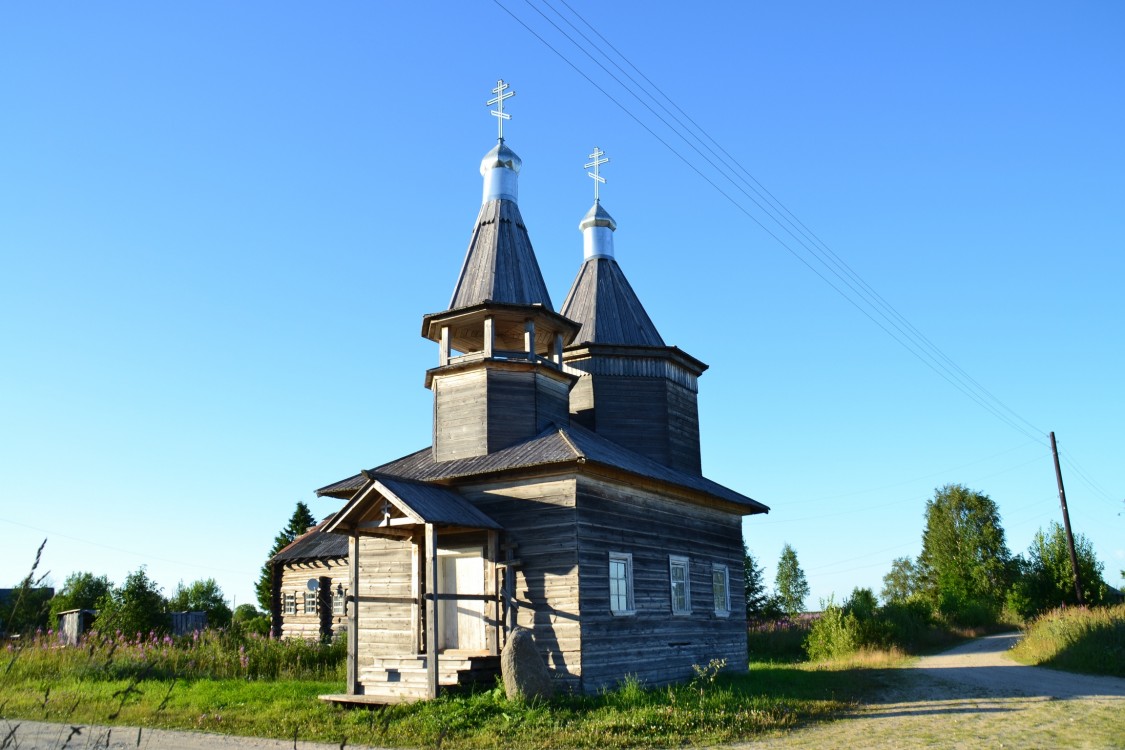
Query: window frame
{"type": "Point", "coordinates": [724, 610]}
{"type": "Point", "coordinates": [290, 603]}
{"type": "Point", "coordinates": [310, 596]}
{"type": "Point", "coordinates": [625, 558]}
{"type": "Point", "coordinates": [676, 561]}
{"type": "Point", "coordinates": [339, 603]}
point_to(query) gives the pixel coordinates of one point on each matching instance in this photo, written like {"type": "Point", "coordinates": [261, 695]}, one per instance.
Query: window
{"type": "Point", "coordinates": [681, 585]}
{"type": "Point", "coordinates": [310, 602]}
{"type": "Point", "coordinates": [339, 596]}
{"type": "Point", "coordinates": [621, 583]}
{"type": "Point", "coordinates": [720, 586]}
{"type": "Point", "coordinates": [290, 604]}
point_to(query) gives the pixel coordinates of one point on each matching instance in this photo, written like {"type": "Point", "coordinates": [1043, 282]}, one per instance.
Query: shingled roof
{"type": "Point", "coordinates": [603, 302]}
{"type": "Point", "coordinates": [554, 446]}
{"type": "Point", "coordinates": [314, 544]}
{"type": "Point", "coordinates": [500, 263]}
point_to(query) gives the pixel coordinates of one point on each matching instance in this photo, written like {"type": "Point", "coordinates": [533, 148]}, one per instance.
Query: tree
{"type": "Point", "coordinates": [135, 608]}
{"type": "Point", "coordinates": [202, 596]}
{"type": "Point", "coordinates": [299, 523]}
{"type": "Point", "coordinates": [790, 583]}
{"type": "Point", "coordinates": [26, 609]}
{"type": "Point", "coordinates": [965, 566]}
{"type": "Point", "coordinates": [1045, 577]}
{"type": "Point", "coordinates": [899, 584]}
{"type": "Point", "coordinates": [756, 596]}
{"type": "Point", "coordinates": [81, 590]}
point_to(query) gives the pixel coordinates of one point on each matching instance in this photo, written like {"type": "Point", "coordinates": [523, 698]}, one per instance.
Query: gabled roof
{"type": "Point", "coordinates": [314, 544]}
{"type": "Point", "coordinates": [500, 263]}
{"type": "Point", "coordinates": [382, 495]}
{"type": "Point", "coordinates": [605, 305]}
{"type": "Point", "coordinates": [555, 446]}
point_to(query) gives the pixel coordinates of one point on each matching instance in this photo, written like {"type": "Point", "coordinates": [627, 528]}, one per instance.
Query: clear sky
{"type": "Point", "coordinates": [221, 223]}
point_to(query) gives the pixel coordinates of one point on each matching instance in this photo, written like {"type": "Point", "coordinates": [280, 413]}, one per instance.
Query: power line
{"type": "Point", "coordinates": [911, 346]}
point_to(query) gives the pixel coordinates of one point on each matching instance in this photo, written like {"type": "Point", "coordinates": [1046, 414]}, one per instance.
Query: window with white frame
{"type": "Point", "coordinates": [290, 604]}
{"type": "Point", "coordinates": [310, 602]}
{"type": "Point", "coordinates": [681, 584]}
{"type": "Point", "coordinates": [339, 596]}
{"type": "Point", "coordinates": [621, 583]}
{"type": "Point", "coordinates": [720, 586]}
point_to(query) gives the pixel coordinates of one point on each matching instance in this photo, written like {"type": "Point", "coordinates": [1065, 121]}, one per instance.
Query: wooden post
{"type": "Point", "coordinates": [443, 354]}
{"type": "Point", "coordinates": [492, 635]}
{"type": "Point", "coordinates": [529, 338]}
{"type": "Point", "coordinates": [558, 349]}
{"type": "Point", "coordinates": [489, 336]}
{"type": "Point", "coordinates": [431, 611]}
{"type": "Point", "coordinates": [1066, 523]}
{"type": "Point", "coordinates": [352, 604]}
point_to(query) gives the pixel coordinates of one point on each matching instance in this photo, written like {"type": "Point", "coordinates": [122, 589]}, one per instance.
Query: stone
{"type": "Point", "coordinates": [525, 674]}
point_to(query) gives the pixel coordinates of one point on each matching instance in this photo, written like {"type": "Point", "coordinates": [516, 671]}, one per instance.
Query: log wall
{"type": "Point", "coordinates": [294, 581]}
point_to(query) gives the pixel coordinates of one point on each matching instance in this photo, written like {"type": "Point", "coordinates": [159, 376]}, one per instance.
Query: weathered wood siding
{"type": "Point", "coordinates": [538, 515]}
{"type": "Point", "coordinates": [654, 644]}
{"type": "Point", "coordinates": [385, 601]}
{"type": "Point", "coordinates": [294, 581]}
{"type": "Point", "coordinates": [655, 417]}
{"type": "Point", "coordinates": [485, 410]}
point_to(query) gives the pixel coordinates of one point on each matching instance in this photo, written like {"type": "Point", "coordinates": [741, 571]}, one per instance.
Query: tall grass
{"type": "Point", "coordinates": [1077, 639]}
{"type": "Point", "coordinates": [206, 654]}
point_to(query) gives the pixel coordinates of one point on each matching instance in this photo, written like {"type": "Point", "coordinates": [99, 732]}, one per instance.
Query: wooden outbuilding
{"type": "Point", "coordinates": [562, 493]}
{"type": "Point", "coordinates": [310, 585]}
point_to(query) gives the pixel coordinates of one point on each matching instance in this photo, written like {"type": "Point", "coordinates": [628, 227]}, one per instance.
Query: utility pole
{"type": "Point", "coordinates": [1066, 523]}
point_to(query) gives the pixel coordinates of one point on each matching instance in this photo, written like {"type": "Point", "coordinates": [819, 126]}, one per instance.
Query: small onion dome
{"type": "Point", "coordinates": [500, 156]}
{"type": "Point", "coordinates": [598, 217]}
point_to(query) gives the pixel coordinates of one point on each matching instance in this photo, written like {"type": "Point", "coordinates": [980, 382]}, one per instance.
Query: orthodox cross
{"type": "Point", "coordinates": [596, 174]}
{"type": "Point", "coordinates": [498, 100]}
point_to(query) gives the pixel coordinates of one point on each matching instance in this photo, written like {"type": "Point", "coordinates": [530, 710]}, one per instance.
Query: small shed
{"type": "Point", "coordinates": [73, 623]}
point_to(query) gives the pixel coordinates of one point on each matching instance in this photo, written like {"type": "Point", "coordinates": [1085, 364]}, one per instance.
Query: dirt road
{"type": "Point", "coordinates": [970, 697]}
{"type": "Point", "coordinates": [975, 696]}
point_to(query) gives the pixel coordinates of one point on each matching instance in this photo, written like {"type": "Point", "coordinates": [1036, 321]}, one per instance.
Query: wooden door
{"type": "Point", "coordinates": [461, 622]}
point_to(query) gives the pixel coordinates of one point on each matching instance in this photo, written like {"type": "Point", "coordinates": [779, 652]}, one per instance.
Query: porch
{"type": "Point", "coordinates": [425, 608]}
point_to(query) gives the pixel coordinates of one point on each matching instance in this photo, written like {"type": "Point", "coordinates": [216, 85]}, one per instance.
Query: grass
{"type": "Point", "coordinates": [232, 691]}
{"type": "Point", "coordinates": [1077, 639]}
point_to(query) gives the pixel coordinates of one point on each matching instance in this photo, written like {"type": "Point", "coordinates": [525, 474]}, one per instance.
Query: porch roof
{"type": "Point", "coordinates": [412, 504]}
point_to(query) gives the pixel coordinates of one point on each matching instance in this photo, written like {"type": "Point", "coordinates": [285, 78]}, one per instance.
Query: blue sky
{"type": "Point", "coordinates": [220, 226]}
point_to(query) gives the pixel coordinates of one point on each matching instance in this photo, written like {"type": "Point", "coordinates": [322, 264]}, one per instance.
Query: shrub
{"type": "Point", "coordinates": [836, 633]}
{"type": "Point", "coordinates": [1077, 639]}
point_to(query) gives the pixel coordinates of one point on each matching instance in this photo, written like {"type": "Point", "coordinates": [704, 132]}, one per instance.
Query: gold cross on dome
{"type": "Point", "coordinates": [498, 100]}
{"type": "Point", "coordinates": [596, 174]}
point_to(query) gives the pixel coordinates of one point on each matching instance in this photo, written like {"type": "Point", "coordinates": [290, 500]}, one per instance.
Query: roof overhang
{"type": "Point", "coordinates": [388, 506]}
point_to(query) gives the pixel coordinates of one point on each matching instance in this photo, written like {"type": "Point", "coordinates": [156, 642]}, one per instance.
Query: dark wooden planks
{"type": "Point", "coordinates": [655, 644]}
{"type": "Point", "coordinates": [500, 263]}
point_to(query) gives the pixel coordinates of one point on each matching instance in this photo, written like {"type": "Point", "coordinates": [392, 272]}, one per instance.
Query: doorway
{"type": "Point", "coordinates": [461, 622]}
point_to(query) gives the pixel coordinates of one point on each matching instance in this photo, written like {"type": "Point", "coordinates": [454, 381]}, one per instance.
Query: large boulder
{"type": "Point", "coordinates": [525, 675]}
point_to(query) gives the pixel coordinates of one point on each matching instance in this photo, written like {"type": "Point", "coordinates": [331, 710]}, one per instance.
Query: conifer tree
{"type": "Point", "coordinates": [790, 582]}
{"type": "Point", "coordinates": [299, 523]}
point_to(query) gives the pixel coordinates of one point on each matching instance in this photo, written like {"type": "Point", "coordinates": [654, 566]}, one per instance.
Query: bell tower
{"type": "Point", "coordinates": [632, 388]}
{"type": "Point", "coordinates": [499, 379]}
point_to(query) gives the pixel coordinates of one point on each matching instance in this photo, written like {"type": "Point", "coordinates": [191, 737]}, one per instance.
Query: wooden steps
{"type": "Point", "coordinates": [404, 679]}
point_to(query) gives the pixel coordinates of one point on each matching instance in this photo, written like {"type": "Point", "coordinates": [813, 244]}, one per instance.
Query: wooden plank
{"type": "Point", "coordinates": [353, 618]}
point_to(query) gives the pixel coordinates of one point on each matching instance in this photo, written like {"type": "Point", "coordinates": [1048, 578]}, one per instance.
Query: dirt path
{"type": "Point", "coordinates": [975, 696]}
{"type": "Point", "coordinates": [970, 697]}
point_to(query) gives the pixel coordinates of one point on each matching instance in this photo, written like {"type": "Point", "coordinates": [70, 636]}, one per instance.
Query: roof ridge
{"type": "Point", "coordinates": [579, 455]}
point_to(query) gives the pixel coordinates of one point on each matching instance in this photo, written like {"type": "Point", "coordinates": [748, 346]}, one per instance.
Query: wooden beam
{"type": "Point", "coordinates": [492, 608]}
{"type": "Point", "coordinates": [443, 356]}
{"type": "Point", "coordinates": [432, 631]}
{"type": "Point", "coordinates": [352, 604]}
{"type": "Point", "coordinates": [489, 336]}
